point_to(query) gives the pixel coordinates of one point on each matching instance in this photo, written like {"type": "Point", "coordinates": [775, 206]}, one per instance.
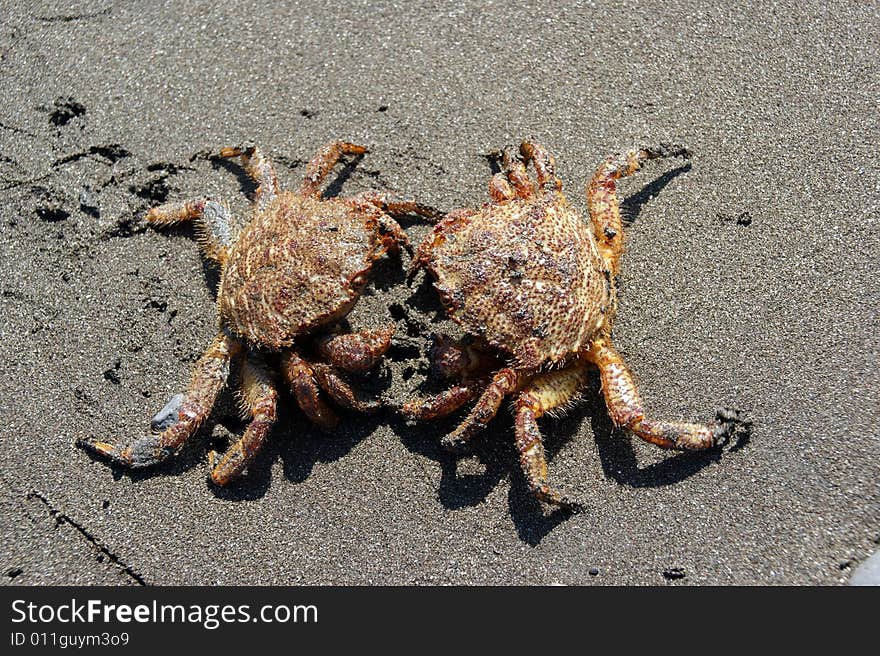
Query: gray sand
{"type": "Point", "coordinates": [749, 281]}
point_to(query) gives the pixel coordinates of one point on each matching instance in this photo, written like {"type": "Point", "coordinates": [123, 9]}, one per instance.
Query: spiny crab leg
{"type": "Point", "coordinates": [602, 196]}
{"type": "Point", "coordinates": [340, 391]}
{"type": "Point", "coordinates": [323, 162]}
{"type": "Point", "coordinates": [500, 189]}
{"type": "Point", "coordinates": [504, 382]}
{"type": "Point", "coordinates": [457, 360]}
{"type": "Point", "coordinates": [259, 168]}
{"type": "Point", "coordinates": [443, 403]}
{"type": "Point", "coordinates": [181, 418]}
{"type": "Point", "coordinates": [544, 163]}
{"type": "Point", "coordinates": [542, 394]}
{"type": "Point", "coordinates": [517, 174]}
{"type": "Point", "coordinates": [301, 378]}
{"type": "Point", "coordinates": [626, 408]}
{"type": "Point", "coordinates": [260, 400]}
{"type": "Point", "coordinates": [213, 221]}
{"type": "Point", "coordinates": [356, 352]}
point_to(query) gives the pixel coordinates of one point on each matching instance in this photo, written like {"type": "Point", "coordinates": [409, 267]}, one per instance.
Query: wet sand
{"type": "Point", "coordinates": [749, 281]}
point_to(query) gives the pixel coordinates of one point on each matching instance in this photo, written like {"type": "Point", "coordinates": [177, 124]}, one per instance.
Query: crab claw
{"type": "Point", "coordinates": [729, 422]}
{"type": "Point", "coordinates": [236, 151]}
{"type": "Point", "coordinates": [142, 452]}
{"type": "Point", "coordinates": [669, 150]}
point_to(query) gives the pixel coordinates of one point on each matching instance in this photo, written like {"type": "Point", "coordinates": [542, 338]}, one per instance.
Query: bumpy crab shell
{"type": "Point", "coordinates": [297, 266]}
{"type": "Point", "coordinates": [528, 278]}
{"type": "Point", "coordinates": [535, 283]}
{"type": "Point", "coordinates": [300, 264]}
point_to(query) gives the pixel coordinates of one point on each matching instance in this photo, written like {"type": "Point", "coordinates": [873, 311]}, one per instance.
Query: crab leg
{"type": "Point", "coordinates": [602, 196]}
{"type": "Point", "coordinates": [213, 220]}
{"type": "Point", "coordinates": [392, 236]}
{"type": "Point", "coordinates": [399, 207]}
{"type": "Point", "coordinates": [340, 391]}
{"type": "Point", "coordinates": [425, 249]}
{"type": "Point", "coordinates": [452, 359]}
{"type": "Point", "coordinates": [183, 415]}
{"type": "Point", "coordinates": [544, 393]}
{"type": "Point", "coordinates": [544, 162]}
{"type": "Point", "coordinates": [356, 352]}
{"type": "Point", "coordinates": [323, 162]}
{"type": "Point", "coordinates": [443, 403]}
{"type": "Point", "coordinates": [503, 383]}
{"type": "Point", "coordinates": [300, 377]}
{"type": "Point", "coordinates": [500, 189]}
{"type": "Point", "coordinates": [259, 168]}
{"type": "Point", "coordinates": [390, 231]}
{"type": "Point", "coordinates": [261, 399]}
{"type": "Point", "coordinates": [517, 174]}
{"type": "Point", "coordinates": [625, 407]}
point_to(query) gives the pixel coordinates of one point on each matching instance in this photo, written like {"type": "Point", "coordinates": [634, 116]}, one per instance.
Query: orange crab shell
{"type": "Point", "coordinates": [298, 265]}
{"type": "Point", "coordinates": [525, 275]}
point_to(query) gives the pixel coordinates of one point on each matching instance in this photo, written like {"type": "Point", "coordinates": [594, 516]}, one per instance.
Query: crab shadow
{"type": "Point", "coordinates": [632, 204]}
{"type": "Point", "coordinates": [494, 449]}
{"type": "Point", "coordinates": [488, 459]}
{"type": "Point", "coordinates": [618, 459]}
{"type": "Point", "coordinates": [300, 445]}
{"type": "Point", "coordinates": [455, 490]}
{"type": "Point", "coordinates": [296, 442]}
{"type": "Point", "coordinates": [210, 270]}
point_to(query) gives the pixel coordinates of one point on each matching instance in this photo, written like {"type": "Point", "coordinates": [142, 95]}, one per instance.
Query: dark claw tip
{"type": "Point", "coordinates": [92, 444]}
{"type": "Point", "coordinates": [84, 443]}
{"type": "Point", "coordinates": [730, 422]}
{"type": "Point", "coordinates": [671, 150]}
{"type": "Point", "coordinates": [98, 448]}
{"type": "Point", "coordinates": [728, 416]}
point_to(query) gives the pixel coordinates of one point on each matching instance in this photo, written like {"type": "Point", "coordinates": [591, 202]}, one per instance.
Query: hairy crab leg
{"type": "Point", "coordinates": [626, 409]}
{"type": "Point", "coordinates": [500, 189]}
{"type": "Point", "coordinates": [259, 168]}
{"type": "Point", "coordinates": [516, 172]}
{"type": "Point", "coordinates": [300, 377]}
{"type": "Point", "coordinates": [543, 394]}
{"type": "Point", "coordinates": [340, 391]}
{"type": "Point", "coordinates": [443, 403]}
{"type": "Point", "coordinates": [323, 162]}
{"type": "Point", "coordinates": [261, 399]}
{"type": "Point", "coordinates": [183, 415]}
{"type": "Point", "coordinates": [390, 231]}
{"type": "Point", "coordinates": [393, 236]}
{"type": "Point", "coordinates": [356, 352]}
{"type": "Point", "coordinates": [461, 360]}
{"type": "Point", "coordinates": [398, 207]}
{"type": "Point", "coordinates": [544, 162]}
{"type": "Point", "coordinates": [424, 251]}
{"type": "Point", "coordinates": [504, 382]}
{"type": "Point", "coordinates": [213, 220]}
{"type": "Point", "coordinates": [602, 198]}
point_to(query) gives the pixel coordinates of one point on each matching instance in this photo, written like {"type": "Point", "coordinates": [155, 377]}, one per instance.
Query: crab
{"type": "Point", "coordinates": [288, 277]}
{"type": "Point", "coordinates": [535, 290]}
